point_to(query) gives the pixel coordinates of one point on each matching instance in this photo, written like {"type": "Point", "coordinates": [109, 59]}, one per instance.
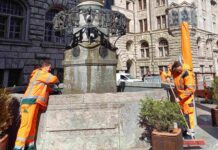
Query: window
{"type": "Point", "coordinates": [158, 22]}
{"type": "Point", "coordinates": [143, 25]}
{"type": "Point", "coordinates": [144, 70]}
{"type": "Point", "coordinates": [161, 22]}
{"type": "Point", "coordinates": [209, 48]}
{"type": "Point", "coordinates": [129, 45]}
{"type": "Point", "coordinates": [204, 23]}
{"type": "Point", "coordinates": [145, 50]}
{"type": "Point", "coordinates": [49, 32]}
{"type": "Point", "coordinates": [145, 4]}
{"type": "Point", "coordinates": [11, 19]}
{"type": "Point", "coordinates": [127, 5]}
{"type": "Point", "coordinates": [128, 26]}
{"type": "Point", "coordinates": [202, 68]}
{"type": "Point", "coordinates": [163, 48]}
{"type": "Point", "coordinates": [160, 2]}
{"type": "Point", "coordinates": [14, 77]}
{"type": "Point", "coordinates": [211, 68]}
{"type": "Point", "coordinates": [140, 4]}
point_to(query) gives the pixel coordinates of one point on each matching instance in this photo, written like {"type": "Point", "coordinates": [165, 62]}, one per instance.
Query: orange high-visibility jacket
{"type": "Point", "coordinates": [163, 76]}
{"type": "Point", "coordinates": [38, 88]}
{"type": "Point", "coordinates": [185, 86]}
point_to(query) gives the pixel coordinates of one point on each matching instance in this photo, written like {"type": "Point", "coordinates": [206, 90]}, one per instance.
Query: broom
{"type": "Point", "coordinates": [188, 142]}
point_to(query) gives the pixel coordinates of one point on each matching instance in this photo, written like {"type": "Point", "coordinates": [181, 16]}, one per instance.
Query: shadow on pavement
{"type": "Point", "coordinates": [203, 107]}
{"type": "Point", "coordinates": [204, 122]}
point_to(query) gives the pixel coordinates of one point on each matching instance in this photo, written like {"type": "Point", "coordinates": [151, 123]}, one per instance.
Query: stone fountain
{"type": "Point", "coordinates": [90, 59]}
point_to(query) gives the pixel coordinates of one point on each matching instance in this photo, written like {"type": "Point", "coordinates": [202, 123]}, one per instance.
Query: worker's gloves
{"type": "Point", "coordinates": [177, 100]}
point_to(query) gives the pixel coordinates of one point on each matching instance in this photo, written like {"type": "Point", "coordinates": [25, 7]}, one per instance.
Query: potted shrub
{"type": "Point", "coordinates": [5, 118]}
{"type": "Point", "coordinates": [159, 118]}
{"type": "Point", "coordinates": [214, 111]}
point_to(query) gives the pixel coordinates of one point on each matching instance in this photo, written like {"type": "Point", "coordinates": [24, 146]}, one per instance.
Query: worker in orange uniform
{"type": "Point", "coordinates": [35, 98]}
{"type": "Point", "coordinates": [185, 88]}
{"type": "Point", "coordinates": [163, 75]}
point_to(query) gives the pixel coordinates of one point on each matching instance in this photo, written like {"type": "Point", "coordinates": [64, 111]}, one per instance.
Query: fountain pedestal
{"type": "Point", "coordinates": [90, 70]}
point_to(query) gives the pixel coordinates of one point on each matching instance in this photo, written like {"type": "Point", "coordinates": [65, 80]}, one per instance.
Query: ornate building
{"type": "Point", "coordinates": [27, 36]}
{"type": "Point", "coordinates": [153, 42]}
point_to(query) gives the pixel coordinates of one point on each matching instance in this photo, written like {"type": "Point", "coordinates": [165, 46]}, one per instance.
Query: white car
{"type": "Point", "coordinates": [126, 78]}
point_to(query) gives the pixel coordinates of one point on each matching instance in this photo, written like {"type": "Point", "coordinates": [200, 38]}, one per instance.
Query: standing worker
{"type": "Point", "coordinates": [185, 88]}
{"type": "Point", "coordinates": [35, 98]}
{"type": "Point", "coordinates": [163, 75]}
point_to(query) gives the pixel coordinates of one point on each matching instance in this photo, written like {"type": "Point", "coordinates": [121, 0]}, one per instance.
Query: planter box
{"type": "Point", "coordinates": [167, 141]}
{"type": "Point", "coordinates": [3, 142]}
{"type": "Point", "coordinates": [214, 115]}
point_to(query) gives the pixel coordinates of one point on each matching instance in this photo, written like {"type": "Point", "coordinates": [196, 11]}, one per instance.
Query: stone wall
{"type": "Point", "coordinates": [93, 122]}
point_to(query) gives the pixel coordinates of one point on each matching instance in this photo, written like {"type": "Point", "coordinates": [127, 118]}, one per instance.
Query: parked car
{"type": "Point", "coordinates": [126, 77]}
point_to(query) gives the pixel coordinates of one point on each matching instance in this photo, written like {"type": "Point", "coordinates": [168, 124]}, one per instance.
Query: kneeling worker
{"type": "Point", "coordinates": [35, 98]}
{"type": "Point", "coordinates": [185, 88]}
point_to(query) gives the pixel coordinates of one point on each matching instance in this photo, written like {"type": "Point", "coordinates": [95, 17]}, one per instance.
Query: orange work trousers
{"type": "Point", "coordinates": [188, 110]}
{"type": "Point", "coordinates": [27, 131]}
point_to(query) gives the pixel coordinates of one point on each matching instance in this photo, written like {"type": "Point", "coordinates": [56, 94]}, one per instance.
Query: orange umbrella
{"type": "Point", "coordinates": [186, 45]}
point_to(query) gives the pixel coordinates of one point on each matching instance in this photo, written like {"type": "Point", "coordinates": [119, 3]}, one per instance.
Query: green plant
{"type": "Point", "coordinates": [215, 90]}
{"type": "Point", "coordinates": [159, 115]}
{"type": "Point", "coordinates": [5, 117]}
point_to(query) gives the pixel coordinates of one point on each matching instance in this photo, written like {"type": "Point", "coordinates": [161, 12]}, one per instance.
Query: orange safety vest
{"type": "Point", "coordinates": [163, 76]}
{"type": "Point", "coordinates": [38, 88]}
{"type": "Point", "coordinates": [185, 86]}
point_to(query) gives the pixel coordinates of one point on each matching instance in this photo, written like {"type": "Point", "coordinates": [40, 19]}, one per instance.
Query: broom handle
{"type": "Point", "coordinates": [180, 108]}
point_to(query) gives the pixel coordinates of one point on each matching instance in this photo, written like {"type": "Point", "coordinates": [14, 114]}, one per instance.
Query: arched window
{"type": "Point", "coordinates": [163, 48]}
{"type": "Point", "coordinates": [12, 18]}
{"type": "Point", "coordinates": [145, 50]}
{"type": "Point", "coordinates": [49, 32]}
{"type": "Point", "coordinates": [129, 45]}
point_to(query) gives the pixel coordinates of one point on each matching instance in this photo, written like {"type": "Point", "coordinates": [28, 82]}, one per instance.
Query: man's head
{"type": "Point", "coordinates": [177, 67]}
{"type": "Point", "coordinates": [46, 65]}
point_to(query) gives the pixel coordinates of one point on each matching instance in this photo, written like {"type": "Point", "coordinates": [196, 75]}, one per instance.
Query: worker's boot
{"type": "Point", "coordinates": [189, 134]}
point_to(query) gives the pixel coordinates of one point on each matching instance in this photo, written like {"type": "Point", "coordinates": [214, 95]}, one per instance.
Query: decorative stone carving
{"type": "Point", "coordinates": [177, 14]}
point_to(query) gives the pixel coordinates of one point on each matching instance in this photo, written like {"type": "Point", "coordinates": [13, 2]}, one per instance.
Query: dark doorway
{"type": "Point", "coordinates": [128, 65]}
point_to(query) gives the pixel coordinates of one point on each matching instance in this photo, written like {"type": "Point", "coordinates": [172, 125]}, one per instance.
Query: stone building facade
{"type": "Point", "coordinates": [148, 46]}
{"type": "Point", "coordinates": [27, 37]}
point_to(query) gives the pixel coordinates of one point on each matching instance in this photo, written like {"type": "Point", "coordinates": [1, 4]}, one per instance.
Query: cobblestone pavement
{"type": "Point", "coordinates": [204, 130]}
